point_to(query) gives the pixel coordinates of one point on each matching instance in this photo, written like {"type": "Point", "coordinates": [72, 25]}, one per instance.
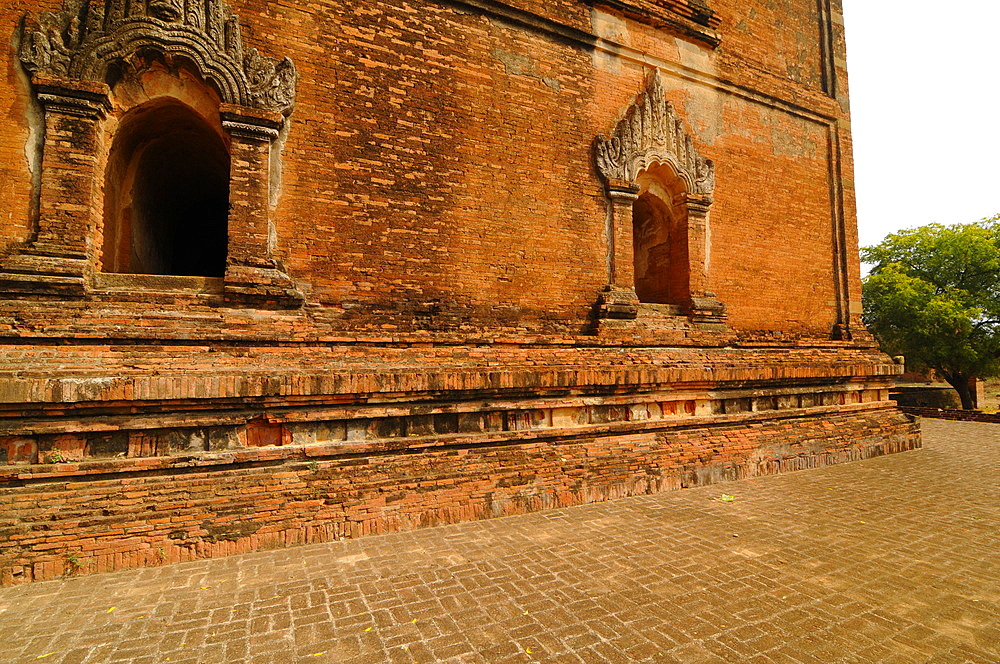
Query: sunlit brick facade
{"type": "Point", "coordinates": [337, 268]}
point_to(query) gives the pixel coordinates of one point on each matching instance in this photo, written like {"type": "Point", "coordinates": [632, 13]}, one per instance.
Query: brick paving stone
{"type": "Point", "coordinates": [893, 559]}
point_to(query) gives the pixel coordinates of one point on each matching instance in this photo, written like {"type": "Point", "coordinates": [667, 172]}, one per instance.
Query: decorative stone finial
{"type": "Point", "coordinates": [86, 36]}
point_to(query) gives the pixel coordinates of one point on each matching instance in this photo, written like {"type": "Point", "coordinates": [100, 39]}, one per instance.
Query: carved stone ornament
{"type": "Point", "coordinates": [87, 36]}
{"type": "Point", "coordinates": [650, 133]}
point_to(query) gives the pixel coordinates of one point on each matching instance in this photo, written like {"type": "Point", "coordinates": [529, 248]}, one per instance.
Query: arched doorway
{"type": "Point", "coordinates": [659, 238]}
{"type": "Point", "coordinates": [659, 191]}
{"type": "Point", "coordinates": [166, 201]}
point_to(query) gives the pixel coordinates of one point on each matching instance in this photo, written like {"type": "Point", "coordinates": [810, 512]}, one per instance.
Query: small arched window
{"type": "Point", "coordinates": [659, 190]}
{"type": "Point", "coordinates": [165, 117]}
{"type": "Point", "coordinates": [166, 203]}
{"type": "Point", "coordinates": [660, 238]}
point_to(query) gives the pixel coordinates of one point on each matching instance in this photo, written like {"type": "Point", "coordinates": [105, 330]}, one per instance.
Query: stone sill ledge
{"type": "Point", "coordinates": [208, 461]}
{"type": "Point", "coordinates": [268, 319]}
{"type": "Point", "coordinates": [287, 383]}
{"type": "Point", "coordinates": [155, 283]}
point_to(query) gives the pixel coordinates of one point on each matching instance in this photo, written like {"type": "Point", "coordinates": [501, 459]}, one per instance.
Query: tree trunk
{"type": "Point", "coordinates": [960, 382]}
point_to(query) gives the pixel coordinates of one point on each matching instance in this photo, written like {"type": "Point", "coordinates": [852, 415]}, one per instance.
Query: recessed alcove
{"type": "Point", "coordinates": [166, 200]}
{"type": "Point", "coordinates": [659, 238]}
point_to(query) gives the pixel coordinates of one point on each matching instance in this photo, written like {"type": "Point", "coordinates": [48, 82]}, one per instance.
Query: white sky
{"type": "Point", "coordinates": [925, 111]}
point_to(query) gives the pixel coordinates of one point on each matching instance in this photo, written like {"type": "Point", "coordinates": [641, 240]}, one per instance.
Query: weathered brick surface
{"type": "Point", "coordinates": [885, 560]}
{"type": "Point", "coordinates": [140, 515]}
{"type": "Point", "coordinates": [407, 330]}
{"type": "Point", "coordinates": [438, 173]}
{"type": "Point", "coordinates": [947, 414]}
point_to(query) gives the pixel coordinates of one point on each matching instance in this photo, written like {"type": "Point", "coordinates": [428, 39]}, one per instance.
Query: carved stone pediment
{"type": "Point", "coordinates": [87, 36]}
{"type": "Point", "coordinates": [650, 133]}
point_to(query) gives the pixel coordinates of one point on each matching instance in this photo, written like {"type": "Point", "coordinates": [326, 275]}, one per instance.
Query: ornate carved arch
{"type": "Point", "coordinates": [87, 36]}
{"type": "Point", "coordinates": [650, 132]}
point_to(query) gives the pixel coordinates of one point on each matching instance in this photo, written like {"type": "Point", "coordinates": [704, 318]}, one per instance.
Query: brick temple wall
{"type": "Point", "coordinates": [122, 465]}
{"type": "Point", "coordinates": [438, 175]}
{"type": "Point", "coordinates": [77, 519]}
{"type": "Point", "coordinates": [436, 202]}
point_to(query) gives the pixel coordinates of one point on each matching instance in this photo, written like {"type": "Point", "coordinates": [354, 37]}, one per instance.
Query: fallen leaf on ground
{"type": "Point", "coordinates": [48, 654]}
{"type": "Point", "coordinates": [369, 629]}
{"type": "Point", "coordinates": [726, 498]}
{"type": "Point", "coordinates": [111, 609]}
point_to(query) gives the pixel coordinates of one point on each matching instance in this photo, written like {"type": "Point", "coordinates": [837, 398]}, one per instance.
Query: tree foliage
{"type": "Point", "coordinates": [934, 296]}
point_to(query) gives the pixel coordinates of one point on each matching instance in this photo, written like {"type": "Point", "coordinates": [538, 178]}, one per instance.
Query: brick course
{"type": "Point", "coordinates": [946, 414]}
{"type": "Point", "coordinates": [123, 516]}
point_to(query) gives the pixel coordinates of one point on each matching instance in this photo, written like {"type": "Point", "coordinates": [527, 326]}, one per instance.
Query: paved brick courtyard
{"type": "Point", "coordinates": [895, 559]}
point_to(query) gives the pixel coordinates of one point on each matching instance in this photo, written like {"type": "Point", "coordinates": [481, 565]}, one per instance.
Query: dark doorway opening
{"type": "Point", "coordinates": [166, 195]}
{"type": "Point", "coordinates": [660, 249]}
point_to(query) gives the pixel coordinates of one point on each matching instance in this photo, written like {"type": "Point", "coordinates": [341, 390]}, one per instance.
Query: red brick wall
{"type": "Point", "coordinates": [779, 39]}
{"type": "Point", "coordinates": [131, 517]}
{"type": "Point", "coordinates": [439, 173]}
{"type": "Point", "coordinates": [440, 209]}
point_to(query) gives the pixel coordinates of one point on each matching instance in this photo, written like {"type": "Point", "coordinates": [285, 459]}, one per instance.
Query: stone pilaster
{"type": "Point", "coordinates": [704, 305]}
{"type": "Point", "coordinates": [253, 274]}
{"type": "Point", "coordinates": [59, 255]}
{"type": "Point", "coordinates": [618, 299]}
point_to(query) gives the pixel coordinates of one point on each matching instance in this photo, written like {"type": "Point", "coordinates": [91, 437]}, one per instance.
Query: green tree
{"type": "Point", "coordinates": [934, 296]}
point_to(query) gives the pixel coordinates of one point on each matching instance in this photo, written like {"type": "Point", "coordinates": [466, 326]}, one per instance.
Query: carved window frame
{"type": "Point", "coordinates": [69, 55]}
{"type": "Point", "coordinates": [651, 134]}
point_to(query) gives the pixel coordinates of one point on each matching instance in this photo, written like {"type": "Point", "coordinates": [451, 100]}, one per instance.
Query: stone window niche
{"type": "Point", "coordinates": [166, 194]}
{"type": "Point", "coordinates": [659, 192]}
{"type": "Point", "coordinates": [659, 238]}
{"type": "Point", "coordinates": [156, 158]}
